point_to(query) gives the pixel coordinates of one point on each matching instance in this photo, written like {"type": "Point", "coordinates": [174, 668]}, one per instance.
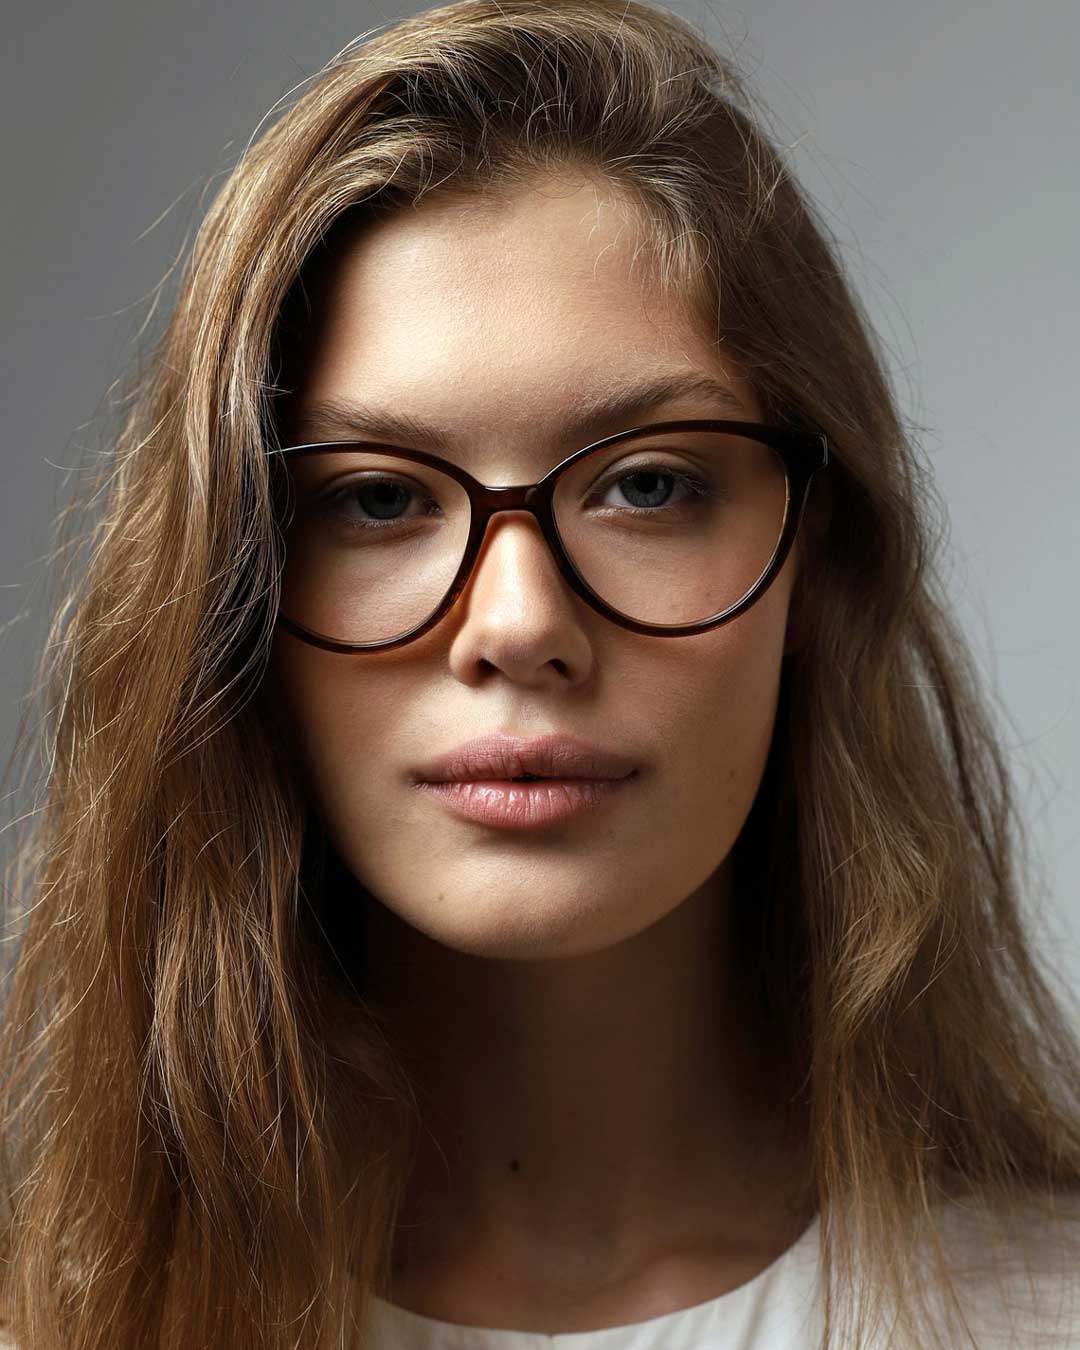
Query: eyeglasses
{"type": "Point", "coordinates": [669, 529]}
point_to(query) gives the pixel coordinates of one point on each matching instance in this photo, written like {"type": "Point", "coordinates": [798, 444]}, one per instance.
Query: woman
{"type": "Point", "coordinates": [323, 1030]}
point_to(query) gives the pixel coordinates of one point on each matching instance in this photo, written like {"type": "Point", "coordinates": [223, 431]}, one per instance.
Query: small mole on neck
{"type": "Point", "coordinates": [513, 1164]}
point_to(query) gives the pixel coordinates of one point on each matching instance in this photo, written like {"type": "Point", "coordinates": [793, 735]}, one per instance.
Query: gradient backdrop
{"type": "Point", "coordinates": [940, 140]}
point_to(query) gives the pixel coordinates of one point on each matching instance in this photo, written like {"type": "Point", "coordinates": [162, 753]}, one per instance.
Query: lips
{"type": "Point", "coordinates": [501, 757]}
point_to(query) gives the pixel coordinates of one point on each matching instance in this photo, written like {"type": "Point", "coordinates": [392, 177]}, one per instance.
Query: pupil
{"type": "Point", "coordinates": [383, 499]}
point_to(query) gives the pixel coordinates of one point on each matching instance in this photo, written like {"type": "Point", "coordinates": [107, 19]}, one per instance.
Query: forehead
{"type": "Point", "coordinates": [473, 313]}
{"type": "Point", "coordinates": [577, 229]}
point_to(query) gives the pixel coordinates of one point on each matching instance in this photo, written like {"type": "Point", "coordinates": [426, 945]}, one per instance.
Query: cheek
{"type": "Point", "coordinates": [725, 687]}
{"type": "Point", "coordinates": [333, 721]}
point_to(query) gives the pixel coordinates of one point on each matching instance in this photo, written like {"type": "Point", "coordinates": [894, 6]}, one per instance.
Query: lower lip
{"type": "Point", "coordinates": [526, 806]}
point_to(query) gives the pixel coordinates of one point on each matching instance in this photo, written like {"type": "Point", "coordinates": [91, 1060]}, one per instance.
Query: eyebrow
{"type": "Point", "coordinates": [350, 417]}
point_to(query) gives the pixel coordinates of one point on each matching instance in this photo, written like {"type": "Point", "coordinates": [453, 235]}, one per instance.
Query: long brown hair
{"type": "Point", "coordinates": [206, 1133]}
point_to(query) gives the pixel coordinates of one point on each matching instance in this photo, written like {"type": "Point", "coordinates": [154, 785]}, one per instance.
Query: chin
{"type": "Point", "coordinates": [530, 932]}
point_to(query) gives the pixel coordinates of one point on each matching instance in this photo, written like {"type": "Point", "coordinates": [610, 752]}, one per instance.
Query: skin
{"type": "Point", "coordinates": [602, 1145]}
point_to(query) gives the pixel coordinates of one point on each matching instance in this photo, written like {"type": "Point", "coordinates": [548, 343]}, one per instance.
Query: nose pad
{"type": "Point", "coordinates": [491, 535]}
{"type": "Point", "coordinates": [552, 598]}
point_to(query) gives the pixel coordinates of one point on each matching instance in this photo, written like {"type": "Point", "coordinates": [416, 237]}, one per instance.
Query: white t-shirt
{"type": "Point", "coordinates": [776, 1310]}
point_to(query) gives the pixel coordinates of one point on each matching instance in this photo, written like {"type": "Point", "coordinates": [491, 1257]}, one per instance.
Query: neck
{"type": "Point", "coordinates": [610, 1104]}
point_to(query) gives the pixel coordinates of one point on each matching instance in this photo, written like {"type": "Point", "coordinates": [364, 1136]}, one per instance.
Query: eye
{"type": "Point", "coordinates": [376, 500]}
{"type": "Point", "coordinates": [649, 488]}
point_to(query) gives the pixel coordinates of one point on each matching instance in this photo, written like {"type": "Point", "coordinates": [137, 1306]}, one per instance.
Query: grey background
{"type": "Point", "coordinates": [939, 139]}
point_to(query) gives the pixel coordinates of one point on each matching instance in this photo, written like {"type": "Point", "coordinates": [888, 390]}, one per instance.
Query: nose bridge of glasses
{"type": "Point", "coordinates": [514, 497]}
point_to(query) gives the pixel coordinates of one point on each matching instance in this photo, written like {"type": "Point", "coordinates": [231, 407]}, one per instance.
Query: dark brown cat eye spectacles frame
{"type": "Point", "coordinates": [803, 454]}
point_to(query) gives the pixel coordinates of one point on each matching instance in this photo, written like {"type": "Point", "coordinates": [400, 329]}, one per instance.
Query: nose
{"type": "Point", "coordinates": [517, 612]}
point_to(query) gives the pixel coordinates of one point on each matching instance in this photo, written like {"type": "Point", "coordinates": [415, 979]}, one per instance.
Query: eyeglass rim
{"type": "Point", "coordinates": [804, 453]}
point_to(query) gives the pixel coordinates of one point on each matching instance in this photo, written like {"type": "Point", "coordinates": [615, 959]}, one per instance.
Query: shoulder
{"type": "Point", "coordinates": [1016, 1271]}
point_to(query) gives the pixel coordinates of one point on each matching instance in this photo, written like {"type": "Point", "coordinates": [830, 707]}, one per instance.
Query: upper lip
{"type": "Point", "coordinates": [503, 756]}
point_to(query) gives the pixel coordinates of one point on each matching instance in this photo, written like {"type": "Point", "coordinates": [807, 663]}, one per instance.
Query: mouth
{"type": "Point", "coordinates": [506, 758]}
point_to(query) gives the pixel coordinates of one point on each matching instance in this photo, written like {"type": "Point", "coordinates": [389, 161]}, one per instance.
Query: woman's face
{"type": "Point", "coordinates": [495, 322]}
